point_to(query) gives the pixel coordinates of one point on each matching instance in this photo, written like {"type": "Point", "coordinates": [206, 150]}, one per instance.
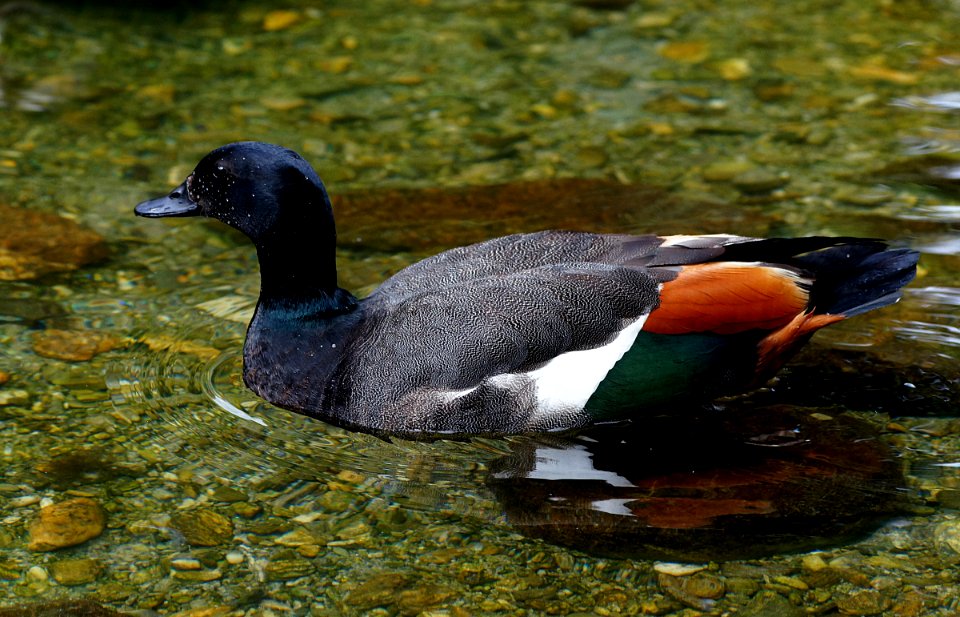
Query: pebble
{"type": "Point", "coordinates": [245, 509]}
{"type": "Point", "coordinates": [771, 604]}
{"type": "Point", "coordinates": [725, 171]}
{"type": "Point", "coordinates": [418, 599]}
{"type": "Point", "coordinates": [697, 591]}
{"type": "Point", "coordinates": [280, 20]}
{"type": "Point", "coordinates": [677, 569]}
{"type": "Point", "coordinates": [14, 397]}
{"type": "Point", "coordinates": [734, 69]}
{"type": "Point", "coordinates": [234, 558]}
{"type": "Point", "coordinates": [161, 342]}
{"type": "Point", "coordinates": [287, 565]}
{"type": "Point", "coordinates": [792, 582]}
{"type": "Point", "coordinates": [813, 562]}
{"type": "Point", "coordinates": [196, 576]}
{"type": "Point", "coordinates": [297, 537]}
{"type": "Point", "coordinates": [73, 345]}
{"type": "Point", "coordinates": [877, 72]}
{"type": "Point", "coordinates": [283, 104]}
{"type": "Point", "coordinates": [186, 563]}
{"type": "Point", "coordinates": [26, 500]}
{"type": "Point", "coordinates": [227, 494]}
{"type": "Point", "coordinates": [66, 523]}
{"type": "Point", "coordinates": [202, 527]}
{"type": "Point", "coordinates": [75, 571]}
{"type": "Point", "coordinates": [866, 602]}
{"type": "Point", "coordinates": [377, 590]}
{"type": "Point", "coordinates": [760, 181]}
{"type": "Point", "coordinates": [38, 574]}
{"type": "Point", "coordinates": [691, 52]}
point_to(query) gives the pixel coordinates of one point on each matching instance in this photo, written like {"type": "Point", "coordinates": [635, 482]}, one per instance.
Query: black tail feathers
{"type": "Point", "coordinates": [858, 276]}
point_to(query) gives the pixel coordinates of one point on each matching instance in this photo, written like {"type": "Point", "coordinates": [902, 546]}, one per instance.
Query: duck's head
{"type": "Point", "coordinates": [261, 189]}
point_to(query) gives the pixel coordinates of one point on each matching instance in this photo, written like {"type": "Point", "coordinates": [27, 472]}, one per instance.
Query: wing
{"type": "Point", "coordinates": [460, 358]}
{"type": "Point", "coordinates": [509, 255]}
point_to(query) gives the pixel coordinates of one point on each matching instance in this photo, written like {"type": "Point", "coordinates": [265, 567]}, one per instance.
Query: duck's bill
{"type": "Point", "coordinates": [177, 203]}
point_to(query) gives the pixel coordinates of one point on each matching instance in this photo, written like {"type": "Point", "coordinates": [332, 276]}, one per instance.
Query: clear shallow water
{"type": "Point", "coordinates": [759, 120]}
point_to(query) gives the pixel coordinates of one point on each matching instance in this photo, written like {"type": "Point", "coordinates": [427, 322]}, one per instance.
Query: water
{"type": "Point", "coordinates": [689, 117]}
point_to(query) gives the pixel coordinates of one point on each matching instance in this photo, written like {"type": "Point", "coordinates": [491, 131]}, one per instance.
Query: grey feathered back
{"type": "Point", "coordinates": [508, 305]}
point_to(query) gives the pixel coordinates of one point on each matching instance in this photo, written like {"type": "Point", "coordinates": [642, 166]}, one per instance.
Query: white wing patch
{"type": "Point", "coordinates": [722, 239]}
{"type": "Point", "coordinates": [568, 381]}
{"type": "Point", "coordinates": [565, 383]}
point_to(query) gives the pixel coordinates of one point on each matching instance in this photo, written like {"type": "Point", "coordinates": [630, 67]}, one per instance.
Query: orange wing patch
{"type": "Point", "coordinates": [728, 297]}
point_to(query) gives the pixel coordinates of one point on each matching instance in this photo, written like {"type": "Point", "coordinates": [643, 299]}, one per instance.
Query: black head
{"type": "Point", "coordinates": [255, 187]}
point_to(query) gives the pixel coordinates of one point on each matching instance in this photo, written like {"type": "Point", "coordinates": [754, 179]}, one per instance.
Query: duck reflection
{"type": "Point", "coordinates": [716, 486]}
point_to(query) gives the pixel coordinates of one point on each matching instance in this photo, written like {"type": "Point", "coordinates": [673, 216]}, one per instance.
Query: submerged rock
{"type": "Point", "coordinates": [378, 590]}
{"type": "Point", "coordinates": [287, 565]}
{"type": "Point", "coordinates": [202, 527]}
{"type": "Point", "coordinates": [36, 243]}
{"type": "Point", "coordinates": [75, 571]}
{"type": "Point", "coordinates": [73, 345]}
{"type": "Point", "coordinates": [65, 524]}
{"type": "Point", "coordinates": [866, 602]}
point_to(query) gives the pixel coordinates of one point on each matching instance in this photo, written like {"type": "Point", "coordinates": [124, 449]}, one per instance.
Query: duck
{"type": "Point", "coordinates": [541, 332]}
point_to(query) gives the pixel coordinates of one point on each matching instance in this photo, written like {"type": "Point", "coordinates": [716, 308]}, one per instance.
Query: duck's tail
{"type": "Point", "coordinates": [849, 278]}
{"type": "Point", "coordinates": [858, 277]}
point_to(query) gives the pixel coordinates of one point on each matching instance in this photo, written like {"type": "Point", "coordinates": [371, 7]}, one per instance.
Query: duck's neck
{"type": "Point", "coordinates": [298, 269]}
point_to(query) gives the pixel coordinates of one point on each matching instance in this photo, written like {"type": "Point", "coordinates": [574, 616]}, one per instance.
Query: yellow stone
{"type": "Point", "coordinates": [654, 20]}
{"type": "Point", "coordinates": [348, 475]}
{"type": "Point", "coordinates": [661, 128]}
{"type": "Point", "coordinates": [691, 52]}
{"type": "Point", "coordinates": [73, 345]}
{"type": "Point", "coordinates": [406, 80]}
{"type": "Point", "coordinates": [878, 72]}
{"type": "Point", "coordinates": [160, 342]}
{"type": "Point", "coordinates": [283, 104]}
{"type": "Point", "coordinates": [814, 562]}
{"type": "Point", "coordinates": [733, 69]}
{"type": "Point", "coordinates": [337, 64]}
{"type": "Point", "coordinates": [162, 93]}
{"type": "Point", "coordinates": [792, 582]}
{"type": "Point", "coordinates": [67, 523]}
{"type": "Point", "coordinates": [545, 111]}
{"type": "Point", "coordinates": [280, 20]}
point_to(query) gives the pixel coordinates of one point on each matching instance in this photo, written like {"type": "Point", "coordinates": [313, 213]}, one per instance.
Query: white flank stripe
{"type": "Point", "coordinates": [568, 381]}
{"type": "Point", "coordinates": [680, 239]}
